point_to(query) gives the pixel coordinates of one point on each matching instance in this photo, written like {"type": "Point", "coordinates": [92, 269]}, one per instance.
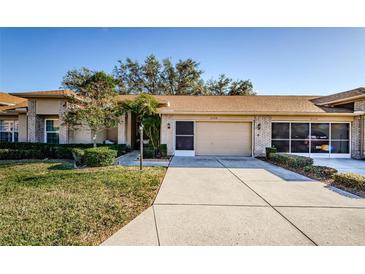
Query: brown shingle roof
{"type": "Point", "coordinates": [20, 105]}
{"type": "Point", "coordinates": [242, 105]}
{"type": "Point", "coordinates": [44, 94]}
{"type": "Point", "coordinates": [7, 99]}
{"type": "Point", "coordinates": [341, 97]}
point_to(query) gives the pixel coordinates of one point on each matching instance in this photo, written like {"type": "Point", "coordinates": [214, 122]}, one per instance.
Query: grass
{"type": "Point", "coordinates": [50, 203]}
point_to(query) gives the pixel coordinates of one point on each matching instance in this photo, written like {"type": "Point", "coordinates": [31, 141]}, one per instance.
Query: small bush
{"type": "Point", "coordinates": [293, 161]}
{"type": "Point", "coordinates": [18, 154]}
{"type": "Point", "coordinates": [320, 171]}
{"type": "Point", "coordinates": [99, 156]}
{"type": "Point", "coordinates": [78, 155]}
{"type": "Point", "coordinates": [163, 150]}
{"type": "Point", "coordinates": [58, 151]}
{"type": "Point", "coordinates": [352, 180]}
{"type": "Point", "coordinates": [148, 152]}
{"type": "Point", "coordinates": [270, 150]}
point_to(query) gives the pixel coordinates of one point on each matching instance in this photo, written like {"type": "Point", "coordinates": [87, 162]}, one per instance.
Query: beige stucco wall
{"type": "Point", "coordinates": [261, 135]}
{"type": "Point", "coordinates": [112, 134]}
{"type": "Point", "coordinates": [22, 128]}
{"type": "Point", "coordinates": [83, 136]}
{"type": "Point", "coordinates": [47, 106]}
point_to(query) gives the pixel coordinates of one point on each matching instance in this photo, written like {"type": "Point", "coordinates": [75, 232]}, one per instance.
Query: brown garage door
{"type": "Point", "coordinates": [220, 138]}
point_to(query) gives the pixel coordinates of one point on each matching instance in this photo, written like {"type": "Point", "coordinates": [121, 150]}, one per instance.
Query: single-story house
{"type": "Point", "coordinates": [317, 126]}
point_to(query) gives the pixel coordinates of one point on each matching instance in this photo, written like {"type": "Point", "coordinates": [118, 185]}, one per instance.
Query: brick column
{"type": "Point", "coordinates": [63, 133]}
{"type": "Point", "coordinates": [356, 133]}
{"type": "Point", "coordinates": [262, 134]}
{"type": "Point", "coordinates": [32, 121]}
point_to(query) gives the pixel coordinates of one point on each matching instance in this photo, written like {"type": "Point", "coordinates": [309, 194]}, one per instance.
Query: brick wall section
{"type": "Point", "coordinates": [262, 136]}
{"type": "Point", "coordinates": [356, 128]}
{"type": "Point", "coordinates": [32, 121]}
{"type": "Point", "coordinates": [63, 133]}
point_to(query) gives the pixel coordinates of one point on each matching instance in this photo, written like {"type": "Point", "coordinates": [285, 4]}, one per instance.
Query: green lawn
{"type": "Point", "coordinates": [50, 203]}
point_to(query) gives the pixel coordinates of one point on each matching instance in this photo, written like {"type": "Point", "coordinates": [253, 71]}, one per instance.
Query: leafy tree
{"type": "Point", "coordinates": [182, 78]}
{"type": "Point", "coordinates": [241, 87]}
{"type": "Point", "coordinates": [220, 86]}
{"type": "Point", "coordinates": [95, 102]}
{"type": "Point", "coordinates": [145, 107]}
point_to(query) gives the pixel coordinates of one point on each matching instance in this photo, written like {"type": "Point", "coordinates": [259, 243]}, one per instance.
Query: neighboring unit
{"type": "Point", "coordinates": [327, 126]}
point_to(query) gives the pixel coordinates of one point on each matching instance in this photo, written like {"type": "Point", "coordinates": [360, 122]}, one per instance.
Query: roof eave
{"type": "Point", "coordinates": [263, 113]}
{"type": "Point", "coordinates": [341, 101]}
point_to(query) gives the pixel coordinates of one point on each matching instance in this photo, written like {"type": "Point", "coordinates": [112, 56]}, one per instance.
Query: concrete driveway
{"type": "Point", "coordinates": [244, 201]}
{"type": "Point", "coordinates": [343, 165]}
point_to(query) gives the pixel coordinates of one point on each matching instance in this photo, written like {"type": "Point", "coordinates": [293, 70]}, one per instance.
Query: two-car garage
{"type": "Point", "coordinates": [213, 138]}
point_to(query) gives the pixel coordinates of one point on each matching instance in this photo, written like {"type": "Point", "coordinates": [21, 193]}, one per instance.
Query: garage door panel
{"type": "Point", "coordinates": [218, 138]}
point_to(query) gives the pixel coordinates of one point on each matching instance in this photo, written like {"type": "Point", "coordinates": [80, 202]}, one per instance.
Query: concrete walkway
{"type": "Point", "coordinates": [343, 165]}
{"type": "Point", "coordinates": [244, 201]}
{"type": "Point", "coordinates": [132, 159]}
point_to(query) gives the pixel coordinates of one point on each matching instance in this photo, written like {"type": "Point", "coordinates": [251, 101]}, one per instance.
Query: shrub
{"type": "Point", "coordinates": [353, 180]}
{"type": "Point", "coordinates": [58, 151]}
{"type": "Point", "coordinates": [18, 154]}
{"type": "Point", "coordinates": [293, 161]}
{"type": "Point", "coordinates": [320, 171]}
{"type": "Point", "coordinates": [148, 152]}
{"type": "Point", "coordinates": [163, 150]}
{"type": "Point", "coordinates": [99, 156]}
{"type": "Point", "coordinates": [78, 155]}
{"type": "Point", "coordinates": [270, 150]}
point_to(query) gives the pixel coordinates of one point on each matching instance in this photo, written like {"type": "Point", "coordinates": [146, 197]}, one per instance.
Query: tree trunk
{"type": "Point", "coordinates": [94, 138]}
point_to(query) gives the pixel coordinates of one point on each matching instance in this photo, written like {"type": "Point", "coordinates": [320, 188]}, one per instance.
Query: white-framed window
{"type": "Point", "coordinates": [51, 131]}
{"type": "Point", "coordinates": [318, 138]}
{"type": "Point", "coordinates": [8, 131]}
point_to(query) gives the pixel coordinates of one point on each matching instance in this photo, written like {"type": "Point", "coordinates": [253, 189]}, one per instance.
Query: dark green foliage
{"type": "Point", "coordinates": [17, 154]}
{"type": "Point", "coordinates": [293, 161]}
{"type": "Point", "coordinates": [52, 151]}
{"type": "Point", "coordinates": [148, 152]}
{"type": "Point", "coordinates": [352, 180]}
{"type": "Point", "coordinates": [270, 150]}
{"type": "Point", "coordinates": [167, 78]}
{"type": "Point", "coordinates": [163, 150]}
{"type": "Point", "coordinates": [322, 172]}
{"type": "Point", "coordinates": [99, 156]}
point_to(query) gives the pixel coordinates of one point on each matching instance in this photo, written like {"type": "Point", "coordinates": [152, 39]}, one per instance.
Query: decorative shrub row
{"type": "Point", "coordinates": [99, 156]}
{"type": "Point", "coordinates": [55, 151]}
{"type": "Point", "coordinates": [293, 161]}
{"type": "Point", "coordinates": [149, 152]}
{"type": "Point", "coordinates": [270, 150]}
{"type": "Point", "coordinates": [352, 180]}
{"type": "Point", "coordinates": [18, 154]}
{"type": "Point", "coordinates": [320, 171]}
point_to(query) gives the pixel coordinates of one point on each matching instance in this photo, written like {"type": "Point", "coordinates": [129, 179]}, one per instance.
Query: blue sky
{"type": "Point", "coordinates": [277, 60]}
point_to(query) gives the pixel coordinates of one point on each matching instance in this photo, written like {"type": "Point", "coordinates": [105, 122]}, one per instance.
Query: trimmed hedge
{"type": "Point", "coordinates": [18, 154]}
{"type": "Point", "coordinates": [163, 150]}
{"type": "Point", "coordinates": [148, 152]}
{"type": "Point", "coordinates": [320, 171]}
{"type": "Point", "coordinates": [270, 150]}
{"type": "Point", "coordinates": [352, 180]}
{"type": "Point", "coordinates": [99, 156]}
{"type": "Point", "coordinates": [54, 151]}
{"type": "Point", "coordinates": [293, 161]}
